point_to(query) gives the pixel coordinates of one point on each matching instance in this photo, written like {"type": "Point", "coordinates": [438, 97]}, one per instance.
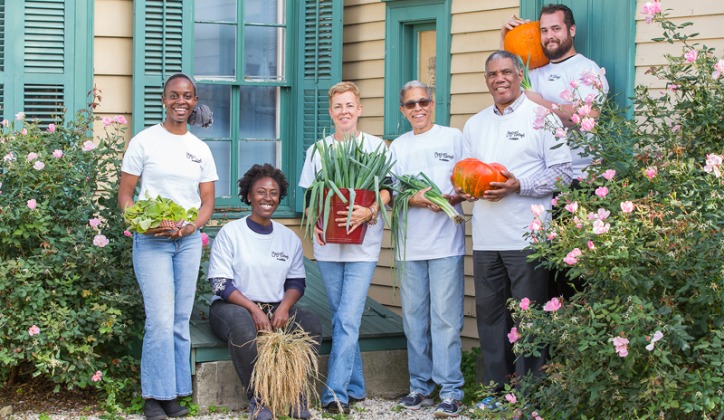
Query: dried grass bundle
{"type": "Point", "coordinates": [286, 367]}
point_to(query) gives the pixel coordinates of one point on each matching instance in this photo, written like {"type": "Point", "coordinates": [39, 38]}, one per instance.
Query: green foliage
{"type": "Point", "coordinates": [70, 309]}
{"type": "Point", "coordinates": [468, 366]}
{"type": "Point", "coordinates": [644, 339]}
{"type": "Point", "coordinates": [149, 213]}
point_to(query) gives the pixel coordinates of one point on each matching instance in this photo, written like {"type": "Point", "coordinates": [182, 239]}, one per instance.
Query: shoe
{"type": "Point", "coordinates": [302, 411]}
{"type": "Point", "coordinates": [488, 404]}
{"type": "Point", "coordinates": [415, 400]}
{"type": "Point", "coordinates": [337, 408]}
{"type": "Point", "coordinates": [258, 411]}
{"type": "Point", "coordinates": [449, 408]}
{"type": "Point", "coordinates": [152, 410]}
{"type": "Point", "coordinates": [354, 400]}
{"type": "Point", "coordinates": [174, 409]}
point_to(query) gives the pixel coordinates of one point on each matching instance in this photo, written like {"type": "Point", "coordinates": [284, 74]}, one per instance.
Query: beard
{"type": "Point", "coordinates": [563, 48]}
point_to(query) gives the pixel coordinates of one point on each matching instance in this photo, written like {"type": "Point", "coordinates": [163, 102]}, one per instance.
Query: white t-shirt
{"type": "Point", "coordinates": [435, 152]}
{"type": "Point", "coordinates": [259, 264]}
{"type": "Point", "coordinates": [553, 78]}
{"type": "Point", "coordinates": [369, 250]}
{"type": "Point", "coordinates": [170, 165]}
{"type": "Point", "coordinates": [512, 141]}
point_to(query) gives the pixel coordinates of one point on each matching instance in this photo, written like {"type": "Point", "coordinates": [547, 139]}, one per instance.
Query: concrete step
{"type": "Point", "coordinates": [216, 383]}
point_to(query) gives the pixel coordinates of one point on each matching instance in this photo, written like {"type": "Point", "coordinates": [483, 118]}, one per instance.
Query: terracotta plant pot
{"type": "Point", "coordinates": [339, 235]}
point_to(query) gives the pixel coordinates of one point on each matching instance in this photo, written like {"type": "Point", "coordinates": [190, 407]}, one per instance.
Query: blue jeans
{"type": "Point", "coordinates": [166, 271]}
{"type": "Point", "coordinates": [347, 284]}
{"type": "Point", "coordinates": [432, 293]}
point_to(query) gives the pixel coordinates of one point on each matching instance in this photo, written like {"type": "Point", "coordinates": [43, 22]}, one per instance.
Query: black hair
{"type": "Point", "coordinates": [258, 172]}
{"type": "Point", "coordinates": [179, 76]}
{"type": "Point", "coordinates": [552, 8]}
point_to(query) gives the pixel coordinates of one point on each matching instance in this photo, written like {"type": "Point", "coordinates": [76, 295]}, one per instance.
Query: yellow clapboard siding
{"type": "Point", "coordinates": [372, 12]}
{"type": "Point", "coordinates": [368, 31]}
{"type": "Point", "coordinates": [113, 18]}
{"type": "Point", "coordinates": [106, 53]}
{"type": "Point", "coordinates": [464, 6]}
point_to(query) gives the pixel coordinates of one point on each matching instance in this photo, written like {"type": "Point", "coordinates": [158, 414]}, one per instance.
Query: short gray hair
{"type": "Point", "coordinates": [413, 84]}
{"type": "Point", "coordinates": [504, 54]}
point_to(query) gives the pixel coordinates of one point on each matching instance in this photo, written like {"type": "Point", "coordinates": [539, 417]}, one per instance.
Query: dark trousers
{"type": "Point", "coordinates": [234, 324]}
{"type": "Point", "coordinates": [500, 275]}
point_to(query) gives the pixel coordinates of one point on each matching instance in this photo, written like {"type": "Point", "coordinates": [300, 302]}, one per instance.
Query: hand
{"type": "Point", "coordinates": [319, 235]}
{"type": "Point", "coordinates": [419, 200]}
{"type": "Point", "coordinates": [452, 199]}
{"type": "Point", "coordinates": [511, 23]}
{"type": "Point", "coordinates": [261, 321]}
{"type": "Point", "coordinates": [360, 215]}
{"type": "Point", "coordinates": [162, 231]}
{"type": "Point", "coordinates": [185, 230]}
{"type": "Point", "coordinates": [510, 186]}
{"type": "Point", "coordinates": [280, 317]}
{"type": "Point", "coordinates": [463, 196]}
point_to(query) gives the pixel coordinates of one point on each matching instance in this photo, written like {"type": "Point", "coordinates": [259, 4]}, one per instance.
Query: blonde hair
{"type": "Point", "coordinates": [343, 87]}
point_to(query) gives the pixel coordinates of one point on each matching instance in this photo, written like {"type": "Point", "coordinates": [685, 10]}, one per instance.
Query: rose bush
{"type": "Point", "coordinates": [645, 336]}
{"type": "Point", "coordinates": [70, 309]}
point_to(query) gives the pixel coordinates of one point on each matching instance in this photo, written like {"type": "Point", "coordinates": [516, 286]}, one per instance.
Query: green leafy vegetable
{"type": "Point", "coordinates": [149, 213]}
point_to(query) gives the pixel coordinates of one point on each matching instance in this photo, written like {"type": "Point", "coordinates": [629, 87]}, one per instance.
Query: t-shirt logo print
{"type": "Point", "coordinates": [444, 157]}
{"type": "Point", "coordinates": [193, 158]}
{"type": "Point", "coordinates": [280, 256]}
{"type": "Point", "coordinates": [514, 135]}
{"type": "Point", "coordinates": [553, 77]}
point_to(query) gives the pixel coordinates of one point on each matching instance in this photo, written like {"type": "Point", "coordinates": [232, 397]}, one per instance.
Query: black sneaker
{"type": "Point", "coordinates": [152, 410]}
{"type": "Point", "coordinates": [449, 408]}
{"type": "Point", "coordinates": [354, 400]}
{"type": "Point", "coordinates": [174, 409]}
{"type": "Point", "coordinates": [415, 400]}
{"type": "Point", "coordinates": [258, 411]}
{"type": "Point", "coordinates": [337, 408]}
{"type": "Point", "coordinates": [301, 411]}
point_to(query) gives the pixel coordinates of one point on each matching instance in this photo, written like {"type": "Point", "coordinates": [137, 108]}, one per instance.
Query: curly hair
{"type": "Point", "coordinates": [258, 172]}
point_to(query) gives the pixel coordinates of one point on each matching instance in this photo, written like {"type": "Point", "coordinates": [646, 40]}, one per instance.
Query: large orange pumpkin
{"type": "Point", "coordinates": [474, 176]}
{"type": "Point", "coordinates": [524, 41]}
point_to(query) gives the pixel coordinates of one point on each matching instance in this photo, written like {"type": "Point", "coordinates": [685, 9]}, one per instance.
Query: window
{"type": "Point", "coordinates": [46, 70]}
{"type": "Point", "coordinates": [417, 31]}
{"type": "Point", "coordinates": [262, 66]}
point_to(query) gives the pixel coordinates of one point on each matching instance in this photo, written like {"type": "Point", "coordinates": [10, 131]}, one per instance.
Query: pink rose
{"type": "Point", "coordinates": [575, 118]}
{"type": "Point", "coordinates": [553, 304]}
{"type": "Point", "coordinates": [51, 128]}
{"type": "Point", "coordinates": [621, 346]}
{"type": "Point", "coordinates": [32, 156]}
{"type": "Point", "coordinates": [97, 376]}
{"type": "Point", "coordinates": [34, 330]}
{"type": "Point", "coordinates": [574, 84]}
{"type": "Point", "coordinates": [603, 214]}
{"type": "Point", "coordinates": [535, 225]}
{"type": "Point", "coordinates": [591, 246]}
{"type": "Point", "coordinates": [566, 95]}
{"type": "Point", "coordinates": [713, 164]}
{"type": "Point", "coordinates": [24, 132]}
{"type": "Point", "coordinates": [584, 110]}
{"type": "Point", "coordinates": [690, 56]}
{"type": "Point", "coordinates": [600, 228]}
{"type": "Point", "coordinates": [204, 239]}
{"type": "Point", "coordinates": [100, 240]}
{"type": "Point", "coordinates": [627, 207]}
{"type": "Point", "coordinates": [94, 222]}
{"type": "Point", "coordinates": [32, 204]}
{"type": "Point", "coordinates": [38, 166]}
{"type": "Point", "coordinates": [20, 116]}
{"type": "Point", "coordinates": [57, 153]}
{"type": "Point", "coordinates": [651, 172]}
{"type": "Point", "coordinates": [107, 121]}
{"type": "Point", "coordinates": [88, 145]}
{"type": "Point", "coordinates": [552, 235]}
{"type": "Point", "coordinates": [572, 207]}
{"type": "Point", "coordinates": [609, 174]}
{"type": "Point", "coordinates": [561, 133]}
{"type": "Point", "coordinates": [511, 398]}
{"type": "Point", "coordinates": [513, 335]}
{"type": "Point", "coordinates": [524, 304]}
{"type": "Point", "coordinates": [128, 233]}
{"type": "Point", "coordinates": [120, 119]}
{"type": "Point", "coordinates": [537, 209]}
{"type": "Point", "coordinates": [587, 124]}
{"type": "Point", "coordinates": [539, 123]}
{"type": "Point", "coordinates": [602, 192]}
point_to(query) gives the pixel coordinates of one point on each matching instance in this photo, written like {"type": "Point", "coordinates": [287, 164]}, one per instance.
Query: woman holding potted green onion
{"type": "Point", "coordinates": [346, 269]}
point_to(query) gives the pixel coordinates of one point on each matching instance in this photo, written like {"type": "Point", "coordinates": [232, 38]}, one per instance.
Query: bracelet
{"type": "Point", "coordinates": [373, 216]}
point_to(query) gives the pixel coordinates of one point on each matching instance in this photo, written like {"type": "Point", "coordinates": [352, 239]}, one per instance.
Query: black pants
{"type": "Point", "coordinates": [500, 275]}
{"type": "Point", "coordinates": [234, 324]}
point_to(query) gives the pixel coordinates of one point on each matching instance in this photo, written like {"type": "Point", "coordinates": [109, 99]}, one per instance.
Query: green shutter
{"type": "Point", "coordinates": [159, 50]}
{"type": "Point", "coordinates": [319, 68]}
{"type": "Point", "coordinates": [48, 71]}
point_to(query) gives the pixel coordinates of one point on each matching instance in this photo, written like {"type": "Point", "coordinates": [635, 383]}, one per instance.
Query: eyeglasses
{"type": "Point", "coordinates": [425, 102]}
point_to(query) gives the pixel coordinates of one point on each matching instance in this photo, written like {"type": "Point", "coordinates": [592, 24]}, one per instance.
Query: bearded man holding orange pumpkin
{"type": "Point", "coordinates": [504, 133]}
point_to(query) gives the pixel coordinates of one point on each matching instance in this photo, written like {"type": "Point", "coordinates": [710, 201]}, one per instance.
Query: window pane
{"type": "Point", "coordinates": [222, 158]}
{"type": "Point", "coordinates": [215, 10]}
{"type": "Point", "coordinates": [264, 58]}
{"type": "Point", "coordinates": [253, 152]}
{"type": "Point", "coordinates": [264, 11]}
{"type": "Point", "coordinates": [258, 118]}
{"type": "Point", "coordinates": [214, 49]}
{"type": "Point", "coordinates": [218, 98]}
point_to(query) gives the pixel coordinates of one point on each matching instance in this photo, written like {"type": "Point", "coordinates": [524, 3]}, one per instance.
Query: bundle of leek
{"type": "Point", "coordinates": [408, 186]}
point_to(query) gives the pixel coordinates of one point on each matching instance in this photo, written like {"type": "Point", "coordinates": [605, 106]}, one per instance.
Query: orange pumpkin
{"type": "Point", "coordinates": [524, 41]}
{"type": "Point", "coordinates": [474, 176]}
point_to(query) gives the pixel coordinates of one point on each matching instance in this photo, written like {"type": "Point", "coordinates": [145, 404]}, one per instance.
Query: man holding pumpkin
{"type": "Point", "coordinates": [432, 282]}
{"type": "Point", "coordinates": [504, 133]}
{"type": "Point", "coordinates": [557, 33]}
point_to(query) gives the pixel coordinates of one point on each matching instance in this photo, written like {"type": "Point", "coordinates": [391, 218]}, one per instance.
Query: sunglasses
{"type": "Point", "coordinates": [411, 104]}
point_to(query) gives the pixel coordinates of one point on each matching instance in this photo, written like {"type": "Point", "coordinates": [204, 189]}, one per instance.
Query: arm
{"type": "Point", "coordinates": [125, 190]}
{"type": "Point", "coordinates": [538, 185]}
{"type": "Point", "coordinates": [562, 111]}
